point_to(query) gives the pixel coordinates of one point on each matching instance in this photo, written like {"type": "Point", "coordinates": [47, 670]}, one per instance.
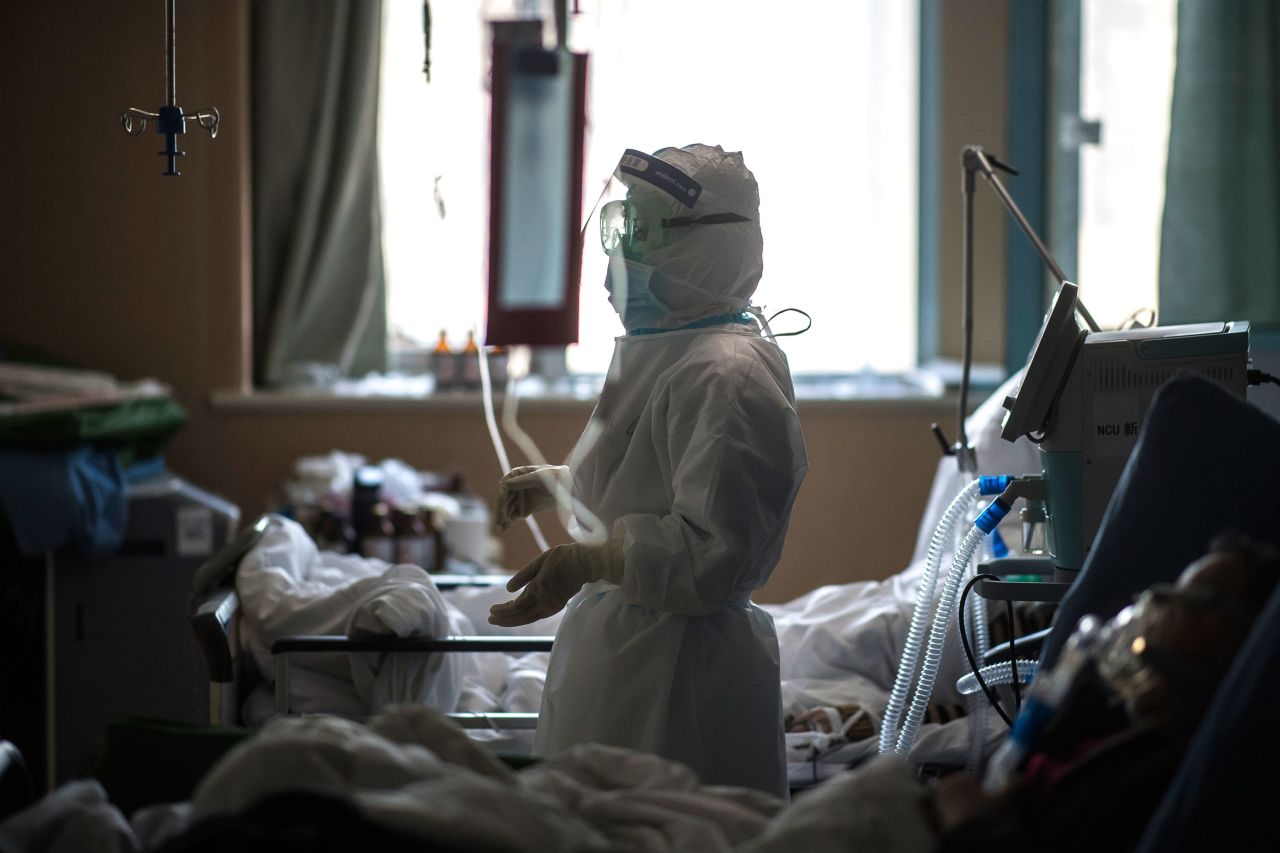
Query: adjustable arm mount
{"type": "Point", "coordinates": [976, 161]}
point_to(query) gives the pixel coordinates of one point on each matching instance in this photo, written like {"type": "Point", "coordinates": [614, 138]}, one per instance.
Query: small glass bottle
{"type": "Point", "coordinates": [444, 364]}
{"type": "Point", "coordinates": [379, 538]}
{"type": "Point", "coordinates": [470, 358]}
{"type": "Point", "coordinates": [332, 533]}
{"type": "Point", "coordinates": [1033, 529]}
{"type": "Point", "coordinates": [498, 368]}
{"type": "Point", "coordinates": [435, 531]}
{"type": "Point", "coordinates": [415, 543]}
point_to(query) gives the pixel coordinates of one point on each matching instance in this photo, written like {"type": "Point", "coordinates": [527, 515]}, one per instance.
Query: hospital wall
{"type": "Point", "coordinates": [112, 266]}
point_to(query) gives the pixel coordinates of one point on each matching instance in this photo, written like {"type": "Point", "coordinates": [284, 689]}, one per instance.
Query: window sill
{"type": "Point", "coordinates": [237, 402]}
{"type": "Point", "coordinates": [862, 390]}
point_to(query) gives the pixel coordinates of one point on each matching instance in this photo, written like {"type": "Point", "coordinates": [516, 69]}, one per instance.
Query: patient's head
{"type": "Point", "coordinates": [1165, 654]}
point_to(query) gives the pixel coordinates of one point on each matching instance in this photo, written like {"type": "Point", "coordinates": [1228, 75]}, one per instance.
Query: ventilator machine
{"type": "Point", "coordinates": [1083, 398]}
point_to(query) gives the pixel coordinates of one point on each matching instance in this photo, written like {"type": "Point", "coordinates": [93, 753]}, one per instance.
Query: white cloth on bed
{"type": "Point", "coordinates": [412, 770]}
{"type": "Point", "coordinates": [287, 588]}
{"type": "Point", "coordinates": [74, 818]}
{"type": "Point", "coordinates": [880, 807]}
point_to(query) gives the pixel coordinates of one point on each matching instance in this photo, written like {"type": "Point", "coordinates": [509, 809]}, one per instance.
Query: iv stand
{"type": "Point", "coordinates": [170, 120]}
{"type": "Point", "coordinates": [975, 160]}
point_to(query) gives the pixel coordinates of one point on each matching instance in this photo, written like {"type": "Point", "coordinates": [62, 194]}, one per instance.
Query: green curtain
{"type": "Point", "coordinates": [318, 288]}
{"type": "Point", "coordinates": [1220, 239]}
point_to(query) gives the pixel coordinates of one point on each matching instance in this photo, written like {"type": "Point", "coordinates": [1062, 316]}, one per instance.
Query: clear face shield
{"type": "Point", "coordinates": [645, 209]}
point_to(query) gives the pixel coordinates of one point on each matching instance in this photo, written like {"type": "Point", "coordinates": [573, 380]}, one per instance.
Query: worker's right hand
{"type": "Point", "coordinates": [526, 490]}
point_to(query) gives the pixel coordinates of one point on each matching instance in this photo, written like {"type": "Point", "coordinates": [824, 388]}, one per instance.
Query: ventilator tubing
{"type": "Point", "coordinates": [996, 674]}
{"type": "Point", "coordinates": [924, 599]}
{"type": "Point", "coordinates": [937, 639]}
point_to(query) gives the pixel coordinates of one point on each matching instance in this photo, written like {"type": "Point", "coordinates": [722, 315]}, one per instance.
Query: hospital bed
{"type": "Point", "coordinates": [215, 608]}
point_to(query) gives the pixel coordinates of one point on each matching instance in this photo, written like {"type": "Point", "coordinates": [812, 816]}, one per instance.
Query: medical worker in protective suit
{"type": "Point", "coordinates": [691, 462]}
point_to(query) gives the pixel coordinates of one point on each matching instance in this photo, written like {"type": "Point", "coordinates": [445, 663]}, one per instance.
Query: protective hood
{"type": "Point", "coordinates": [709, 269]}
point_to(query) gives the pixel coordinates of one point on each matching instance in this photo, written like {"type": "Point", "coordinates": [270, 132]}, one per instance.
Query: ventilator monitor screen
{"type": "Point", "coordinates": [1051, 358]}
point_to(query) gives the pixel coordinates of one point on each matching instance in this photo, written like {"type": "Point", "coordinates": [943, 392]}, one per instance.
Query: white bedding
{"type": "Point", "coordinates": [412, 770]}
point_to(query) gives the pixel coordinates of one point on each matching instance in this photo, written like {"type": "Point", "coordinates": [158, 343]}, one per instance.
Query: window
{"type": "Point", "coordinates": [1126, 63]}
{"type": "Point", "coordinates": [821, 100]}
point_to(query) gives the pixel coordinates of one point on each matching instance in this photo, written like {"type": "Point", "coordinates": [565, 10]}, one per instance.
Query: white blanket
{"type": "Point", "coordinates": [411, 770]}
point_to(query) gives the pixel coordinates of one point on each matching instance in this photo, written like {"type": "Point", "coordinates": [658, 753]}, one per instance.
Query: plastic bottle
{"type": "Point", "coordinates": [444, 364]}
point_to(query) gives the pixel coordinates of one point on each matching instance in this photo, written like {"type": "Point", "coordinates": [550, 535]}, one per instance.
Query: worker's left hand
{"type": "Point", "coordinates": [555, 576]}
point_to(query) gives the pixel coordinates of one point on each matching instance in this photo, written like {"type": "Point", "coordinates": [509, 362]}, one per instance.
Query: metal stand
{"type": "Point", "coordinates": [170, 120]}
{"type": "Point", "coordinates": [974, 161]}
{"type": "Point", "coordinates": [1021, 589]}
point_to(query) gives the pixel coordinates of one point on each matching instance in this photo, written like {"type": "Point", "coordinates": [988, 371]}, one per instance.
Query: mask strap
{"type": "Point", "coordinates": [798, 311]}
{"type": "Point", "coordinates": [758, 312]}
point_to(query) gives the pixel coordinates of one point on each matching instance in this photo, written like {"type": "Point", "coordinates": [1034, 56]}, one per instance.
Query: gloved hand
{"type": "Point", "coordinates": [525, 491]}
{"type": "Point", "coordinates": [555, 576]}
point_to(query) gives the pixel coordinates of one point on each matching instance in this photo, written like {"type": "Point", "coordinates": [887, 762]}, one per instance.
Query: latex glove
{"type": "Point", "coordinates": [555, 576]}
{"type": "Point", "coordinates": [525, 491]}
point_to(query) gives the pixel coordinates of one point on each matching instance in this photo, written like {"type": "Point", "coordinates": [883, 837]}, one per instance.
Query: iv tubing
{"type": "Point", "coordinates": [924, 599]}
{"type": "Point", "coordinates": [568, 507]}
{"type": "Point", "coordinates": [496, 438]}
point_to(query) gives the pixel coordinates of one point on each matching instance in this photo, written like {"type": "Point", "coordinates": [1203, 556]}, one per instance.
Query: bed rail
{"type": "Point", "coordinates": [282, 649]}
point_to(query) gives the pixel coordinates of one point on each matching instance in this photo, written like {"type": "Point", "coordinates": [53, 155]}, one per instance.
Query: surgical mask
{"type": "Point", "coordinates": [628, 285]}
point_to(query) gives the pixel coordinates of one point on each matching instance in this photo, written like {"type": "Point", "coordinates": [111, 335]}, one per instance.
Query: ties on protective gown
{"type": "Point", "coordinates": [693, 458]}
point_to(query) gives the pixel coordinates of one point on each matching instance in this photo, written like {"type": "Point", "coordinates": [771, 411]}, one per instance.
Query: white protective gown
{"type": "Point", "coordinates": [696, 460]}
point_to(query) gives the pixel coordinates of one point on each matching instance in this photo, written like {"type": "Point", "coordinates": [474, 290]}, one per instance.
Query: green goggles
{"type": "Point", "coordinates": [623, 224]}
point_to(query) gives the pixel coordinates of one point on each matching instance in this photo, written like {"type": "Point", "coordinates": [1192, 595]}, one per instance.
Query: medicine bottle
{"type": "Point", "coordinates": [470, 358]}
{"type": "Point", "coordinates": [379, 538]}
{"type": "Point", "coordinates": [332, 533]}
{"type": "Point", "coordinates": [444, 364]}
{"type": "Point", "coordinates": [415, 544]}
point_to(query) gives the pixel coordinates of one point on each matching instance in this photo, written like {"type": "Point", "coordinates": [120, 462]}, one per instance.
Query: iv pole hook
{"type": "Point", "coordinates": [170, 120]}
